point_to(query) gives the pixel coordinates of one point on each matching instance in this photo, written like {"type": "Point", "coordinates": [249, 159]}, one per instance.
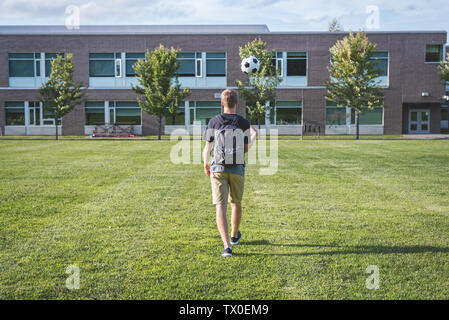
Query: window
{"type": "Point", "coordinates": [278, 63]}
{"type": "Point", "coordinates": [15, 113]}
{"type": "Point", "coordinates": [203, 111]}
{"type": "Point", "coordinates": [125, 113]}
{"type": "Point", "coordinates": [24, 64]}
{"type": "Point", "coordinates": [288, 113]}
{"type": "Point", "coordinates": [35, 113]}
{"type": "Point", "coordinates": [179, 118]}
{"type": "Point", "coordinates": [102, 64]}
{"type": "Point", "coordinates": [296, 64]}
{"type": "Point", "coordinates": [94, 113]}
{"type": "Point", "coordinates": [48, 58]}
{"type": "Point", "coordinates": [335, 115]}
{"type": "Point", "coordinates": [187, 64]}
{"type": "Point", "coordinates": [369, 117]}
{"type": "Point", "coordinates": [444, 114]}
{"type": "Point", "coordinates": [48, 118]}
{"type": "Point", "coordinates": [131, 58]}
{"type": "Point", "coordinates": [215, 64]}
{"type": "Point", "coordinates": [434, 53]}
{"type": "Point", "coordinates": [382, 63]}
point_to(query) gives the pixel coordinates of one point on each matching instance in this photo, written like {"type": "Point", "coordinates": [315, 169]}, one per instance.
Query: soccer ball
{"type": "Point", "coordinates": [250, 65]}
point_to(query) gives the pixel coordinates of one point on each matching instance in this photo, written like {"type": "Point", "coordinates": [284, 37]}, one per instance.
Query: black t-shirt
{"type": "Point", "coordinates": [217, 123]}
{"type": "Point", "coordinates": [221, 120]}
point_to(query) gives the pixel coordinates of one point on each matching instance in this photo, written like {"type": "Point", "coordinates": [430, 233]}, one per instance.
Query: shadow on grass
{"type": "Point", "coordinates": [343, 249]}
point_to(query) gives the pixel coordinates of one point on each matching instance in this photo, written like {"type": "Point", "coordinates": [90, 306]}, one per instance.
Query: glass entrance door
{"type": "Point", "coordinates": [419, 121]}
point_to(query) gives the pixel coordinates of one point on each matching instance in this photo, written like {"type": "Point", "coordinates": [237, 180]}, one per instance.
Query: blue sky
{"type": "Point", "coordinates": [279, 15]}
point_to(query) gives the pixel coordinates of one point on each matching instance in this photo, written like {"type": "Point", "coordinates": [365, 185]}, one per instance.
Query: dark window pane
{"type": "Point", "coordinates": [434, 53]}
{"type": "Point", "coordinates": [95, 116]}
{"type": "Point", "coordinates": [186, 55]}
{"type": "Point", "coordinates": [381, 67]}
{"type": "Point", "coordinates": [215, 68]}
{"type": "Point", "coordinates": [178, 120]}
{"type": "Point", "coordinates": [335, 116]}
{"type": "Point", "coordinates": [296, 55]}
{"type": "Point", "coordinates": [101, 68]}
{"type": "Point", "coordinates": [21, 68]}
{"type": "Point", "coordinates": [186, 68]}
{"type": "Point", "coordinates": [129, 68]}
{"type": "Point", "coordinates": [135, 55]}
{"type": "Point", "coordinates": [205, 114]}
{"type": "Point", "coordinates": [128, 116]}
{"type": "Point", "coordinates": [20, 56]}
{"type": "Point", "coordinates": [47, 68]}
{"type": "Point", "coordinates": [281, 103]}
{"type": "Point", "coordinates": [444, 114]}
{"type": "Point", "coordinates": [15, 116]}
{"type": "Point", "coordinates": [288, 116]}
{"type": "Point", "coordinates": [208, 104]}
{"type": "Point", "coordinates": [296, 67]}
{"type": "Point", "coordinates": [371, 116]}
{"type": "Point", "coordinates": [38, 68]}
{"type": "Point", "coordinates": [215, 55]}
{"type": "Point", "coordinates": [380, 54]}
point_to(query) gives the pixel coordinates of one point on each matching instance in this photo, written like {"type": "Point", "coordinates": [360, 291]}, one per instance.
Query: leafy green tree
{"type": "Point", "coordinates": [261, 86]}
{"type": "Point", "coordinates": [443, 70]}
{"type": "Point", "coordinates": [60, 94]}
{"type": "Point", "coordinates": [335, 26]}
{"type": "Point", "coordinates": [159, 91]}
{"type": "Point", "coordinates": [353, 75]}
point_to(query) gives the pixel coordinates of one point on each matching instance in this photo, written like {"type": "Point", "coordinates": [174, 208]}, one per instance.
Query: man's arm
{"type": "Point", "coordinates": [206, 157]}
{"type": "Point", "coordinates": [253, 136]}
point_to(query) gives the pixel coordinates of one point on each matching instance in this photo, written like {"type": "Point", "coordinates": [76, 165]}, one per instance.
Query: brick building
{"type": "Point", "coordinates": [103, 58]}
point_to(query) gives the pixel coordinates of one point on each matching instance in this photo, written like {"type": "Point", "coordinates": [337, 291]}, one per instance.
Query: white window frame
{"type": "Point", "coordinates": [118, 68]}
{"type": "Point", "coordinates": [280, 74]}
{"type": "Point", "coordinates": [198, 71]}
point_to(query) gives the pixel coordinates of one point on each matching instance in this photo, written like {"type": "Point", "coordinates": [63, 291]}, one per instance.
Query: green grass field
{"type": "Point", "coordinates": [141, 227]}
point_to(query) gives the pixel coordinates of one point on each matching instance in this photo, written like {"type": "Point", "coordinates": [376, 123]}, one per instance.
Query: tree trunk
{"type": "Point", "coordinates": [56, 126]}
{"type": "Point", "coordinates": [357, 127]}
{"type": "Point", "coordinates": [160, 128]}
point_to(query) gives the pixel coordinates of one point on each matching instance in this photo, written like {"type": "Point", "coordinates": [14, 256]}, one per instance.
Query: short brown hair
{"type": "Point", "coordinates": [229, 98]}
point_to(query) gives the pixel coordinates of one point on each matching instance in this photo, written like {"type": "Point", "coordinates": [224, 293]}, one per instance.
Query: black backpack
{"type": "Point", "coordinates": [229, 144]}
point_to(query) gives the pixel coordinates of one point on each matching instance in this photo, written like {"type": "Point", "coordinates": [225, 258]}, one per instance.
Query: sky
{"type": "Point", "coordinates": [279, 15]}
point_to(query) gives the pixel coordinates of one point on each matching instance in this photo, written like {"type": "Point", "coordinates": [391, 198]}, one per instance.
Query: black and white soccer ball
{"type": "Point", "coordinates": [250, 65]}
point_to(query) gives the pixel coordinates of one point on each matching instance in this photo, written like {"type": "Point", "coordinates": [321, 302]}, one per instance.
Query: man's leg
{"type": "Point", "coordinates": [222, 224]}
{"type": "Point", "coordinates": [236, 218]}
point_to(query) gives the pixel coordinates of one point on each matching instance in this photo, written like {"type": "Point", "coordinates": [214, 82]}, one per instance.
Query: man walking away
{"type": "Point", "coordinates": [231, 135]}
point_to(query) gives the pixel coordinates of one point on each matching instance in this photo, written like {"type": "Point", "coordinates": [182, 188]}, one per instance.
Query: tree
{"type": "Point", "coordinates": [443, 70]}
{"type": "Point", "coordinates": [260, 87]}
{"type": "Point", "coordinates": [159, 91]}
{"type": "Point", "coordinates": [335, 26]}
{"type": "Point", "coordinates": [60, 94]}
{"type": "Point", "coordinates": [353, 75]}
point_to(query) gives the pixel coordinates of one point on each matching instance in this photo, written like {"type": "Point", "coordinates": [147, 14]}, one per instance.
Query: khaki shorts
{"type": "Point", "coordinates": [222, 183]}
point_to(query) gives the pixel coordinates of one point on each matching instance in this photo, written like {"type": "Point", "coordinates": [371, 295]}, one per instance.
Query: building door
{"type": "Point", "coordinates": [419, 121]}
